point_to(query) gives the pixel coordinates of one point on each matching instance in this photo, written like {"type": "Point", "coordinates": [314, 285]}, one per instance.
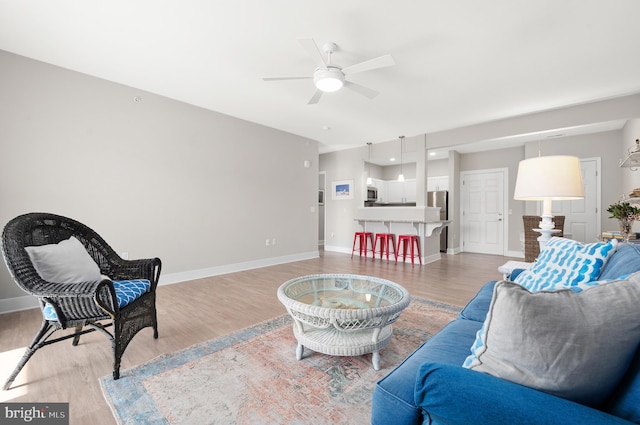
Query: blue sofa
{"type": "Point", "coordinates": [431, 387]}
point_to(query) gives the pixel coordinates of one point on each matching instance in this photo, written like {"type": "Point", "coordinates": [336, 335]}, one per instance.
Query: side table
{"type": "Point", "coordinates": [510, 266]}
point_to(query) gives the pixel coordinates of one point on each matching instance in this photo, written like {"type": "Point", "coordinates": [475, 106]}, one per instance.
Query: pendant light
{"type": "Point", "coordinates": [369, 179]}
{"type": "Point", "coordinates": [401, 175]}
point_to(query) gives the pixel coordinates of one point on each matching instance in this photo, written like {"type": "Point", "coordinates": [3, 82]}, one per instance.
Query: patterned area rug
{"type": "Point", "coordinates": [253, 377]}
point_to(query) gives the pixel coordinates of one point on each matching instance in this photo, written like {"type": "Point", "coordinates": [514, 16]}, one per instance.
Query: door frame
{"type": "Point", "coordinates": [505, 204]}
{"type": "Point", "coordinates": [322, 218]}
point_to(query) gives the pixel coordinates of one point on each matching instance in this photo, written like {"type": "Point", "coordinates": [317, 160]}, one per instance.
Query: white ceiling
{"type": "Point", "coordinates": [458, 62]}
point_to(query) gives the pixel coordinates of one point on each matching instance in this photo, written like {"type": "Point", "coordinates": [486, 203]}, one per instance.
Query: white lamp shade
{"type": "Point", "coordinates": [549, 177]}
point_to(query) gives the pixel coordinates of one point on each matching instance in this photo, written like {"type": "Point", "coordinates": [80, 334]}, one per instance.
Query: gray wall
{"type": "Point", "coordinates": [198, 189]}
{"type": "Point", "coordinates": [340, 214]}
{"type": "Point", "coordinates": [438, 167]}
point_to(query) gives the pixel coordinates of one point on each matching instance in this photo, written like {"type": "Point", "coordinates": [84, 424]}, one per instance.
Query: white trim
{"type": "Point", "coordinates": [171, 278]}
{"type": "Point", "coordinates": [28, 301]}
{"type": "Point", "coordinates": [339, 249]}
{"type": "Point", "coordinates": [454, 251]}
{"type": "Point", "coordinates": [514, 254]}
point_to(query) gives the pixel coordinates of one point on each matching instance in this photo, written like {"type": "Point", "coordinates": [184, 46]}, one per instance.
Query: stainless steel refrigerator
{"type": "Point", "coordinates": [440, 198]}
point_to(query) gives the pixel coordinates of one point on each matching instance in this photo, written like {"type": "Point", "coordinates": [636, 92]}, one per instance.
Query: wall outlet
{"type": "Point", "coordinates": [267, 242]}
{"type": "Point", "coordinates": [273, 241]}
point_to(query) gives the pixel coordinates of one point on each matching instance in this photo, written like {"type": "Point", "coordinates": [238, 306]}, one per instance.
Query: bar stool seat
{"type": "Point", "coordinates": [365, 242]}
{"type": "Point", "coordinates": [386, 240]}
{"type": "Point", "coordinates": [411, 243]}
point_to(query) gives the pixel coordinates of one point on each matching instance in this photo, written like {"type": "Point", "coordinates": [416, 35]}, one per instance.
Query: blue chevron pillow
{"type": "Point", "coordinates": [565, 263]}
{"type": "Point", "coordinates": [127, 291]}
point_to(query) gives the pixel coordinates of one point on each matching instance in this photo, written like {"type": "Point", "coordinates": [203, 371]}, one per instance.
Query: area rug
{"type": "Point", "coordinates": [252, 377]}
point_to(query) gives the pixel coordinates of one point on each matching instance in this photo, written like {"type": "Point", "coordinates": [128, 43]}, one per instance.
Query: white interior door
{"type": "Point", "coordinates": [582, 221]}
{"type": "Point", "coordinates": [483, 205]}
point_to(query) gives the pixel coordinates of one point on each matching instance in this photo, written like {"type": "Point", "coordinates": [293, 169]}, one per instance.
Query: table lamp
{"type": "Point", "coordinates": [546, 179]}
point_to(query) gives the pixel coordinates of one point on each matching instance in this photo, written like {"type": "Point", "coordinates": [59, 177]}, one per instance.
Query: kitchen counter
{"type": "Point", "coordinates": [422, 221]}
{"type": "Point", "coordinates": [430, 225]}
{"type": "Point", "coordinates": [390, 204]}
{"type": "Point", "coordinates": [394, 213]}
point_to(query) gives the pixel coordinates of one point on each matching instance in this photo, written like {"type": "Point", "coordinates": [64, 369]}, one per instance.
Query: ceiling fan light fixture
{"type": "Point", "coordinates": [328, 80]}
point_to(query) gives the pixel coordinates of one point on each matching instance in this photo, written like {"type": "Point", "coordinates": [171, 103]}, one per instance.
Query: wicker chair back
{"type": "Point", "coordinates": [531, 245]}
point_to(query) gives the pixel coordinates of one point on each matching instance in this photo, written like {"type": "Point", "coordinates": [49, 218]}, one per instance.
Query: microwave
{"type": "Point", "coordinates": [372, 194]}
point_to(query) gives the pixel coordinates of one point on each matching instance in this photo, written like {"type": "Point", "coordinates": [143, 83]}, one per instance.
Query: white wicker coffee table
{"type": "Point", "coordinates": [343, 314]}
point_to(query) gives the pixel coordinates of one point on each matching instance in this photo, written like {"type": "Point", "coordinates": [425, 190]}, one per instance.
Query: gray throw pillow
{"type": "Point", "coordinates": [574, 345]}
{"type": "Point", "coordinates": [64, 262]}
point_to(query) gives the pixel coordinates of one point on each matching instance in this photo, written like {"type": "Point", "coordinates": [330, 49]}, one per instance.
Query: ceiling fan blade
{"type": "Point", "coordinates": [285, 78]}
{"type": "Point", "coordinates": [312, 49]}
{"type": "Point", "coordinates": [375, 63]}
{"type": "Point", "coordinates": [315, 98]}
{"type": "Point", "coordinates": [365, 91]}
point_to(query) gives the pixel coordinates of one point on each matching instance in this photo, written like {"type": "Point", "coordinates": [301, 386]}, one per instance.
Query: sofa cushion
{"type": "Point", "coordinates": [562, 340]}
{"type": "Point", "coordinates": [127, 291]}
{"type": "Point", "coordinates": [477, 308]}
{"type": "Point", "coordinates": [454, 395]}
{"type": "Point", "coordinates": [64, 262]}
{"type": "Point", "coordinates": [625, 400]}
{"type": "Point", "coordinates": [625, 262]}
{"type": "Point", "coordinates": [565, 262]}
{"type": "Point", "coordinates": [393, 396]}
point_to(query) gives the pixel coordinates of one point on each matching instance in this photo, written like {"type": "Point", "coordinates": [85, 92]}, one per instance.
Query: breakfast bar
{"type": "Point", "coordinates": [421, 221]}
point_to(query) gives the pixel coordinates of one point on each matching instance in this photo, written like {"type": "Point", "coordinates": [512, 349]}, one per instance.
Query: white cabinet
{"type": "Point", "coordinates": [410, 191]}
{"type": "Point", "coordinates": [381, 185]}
{"type": "Point", "coordinates": [401, 191]}
{"type": "Point", "coordinates": [437, 183]}
{"type": "Point", "coordinates": [394, 191]}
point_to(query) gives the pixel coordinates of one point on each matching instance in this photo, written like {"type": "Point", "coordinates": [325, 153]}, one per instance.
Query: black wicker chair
{"type": "Point", "coordinates": [85, 306]}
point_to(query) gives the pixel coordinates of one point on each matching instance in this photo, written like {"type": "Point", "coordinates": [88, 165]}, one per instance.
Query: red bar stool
{"type": "Point", "coordinates": [385, 239]}
{"type": "Point", "coordinates": [406, 242]}
{"type": "Point", "coordinates": [362, 238]}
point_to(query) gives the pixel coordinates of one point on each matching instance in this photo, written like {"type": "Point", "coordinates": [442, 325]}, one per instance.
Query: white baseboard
{"type": "Point", "coordinates": [515, 254]}
{"type": "Point", "coordinates": [170, 278]}
{"type": "Point", "coordinates": [27, 302]}
{"type": "Point", "coordinates": [340, 249]}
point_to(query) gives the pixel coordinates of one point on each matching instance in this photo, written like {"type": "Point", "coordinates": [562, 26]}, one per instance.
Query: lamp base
{"type": "Point", "coordinates": [546, 230]}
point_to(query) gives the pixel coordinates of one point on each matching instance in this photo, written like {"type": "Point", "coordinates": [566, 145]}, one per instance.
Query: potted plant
{"type": "Point", "coordinates": [626, 214]}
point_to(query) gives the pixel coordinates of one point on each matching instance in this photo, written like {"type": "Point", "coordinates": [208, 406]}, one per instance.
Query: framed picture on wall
{"type": "Point", "coordinates": [342, 190]}
{"type": "Point", "coordinates": [320, 197]}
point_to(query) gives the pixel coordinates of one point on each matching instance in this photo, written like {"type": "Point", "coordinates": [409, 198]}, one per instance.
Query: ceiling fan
{"type": "Point", "coordinates": [329, 77]}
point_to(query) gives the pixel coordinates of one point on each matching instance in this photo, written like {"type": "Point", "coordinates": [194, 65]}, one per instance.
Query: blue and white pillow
{"type": "Point", "coordinates": [562, 264]}
{"type": "Point", "coordinates": [565, 263]}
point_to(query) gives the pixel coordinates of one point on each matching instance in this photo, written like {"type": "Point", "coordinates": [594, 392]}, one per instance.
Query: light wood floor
{"type": "Point", "coordinates": [200, 310]}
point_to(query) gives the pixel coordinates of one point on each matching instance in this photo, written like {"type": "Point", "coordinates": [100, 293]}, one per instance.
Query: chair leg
{"type": "Point", "coordinates": [76, 339]}
{"type": "Point", "coordinates": [46, 329]}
